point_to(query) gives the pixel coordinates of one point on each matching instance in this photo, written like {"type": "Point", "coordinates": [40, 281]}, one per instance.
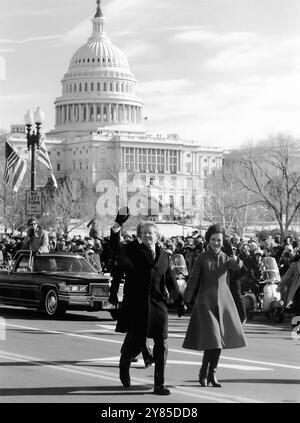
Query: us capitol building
{"type": "Point", "coordinates": [99, 130]}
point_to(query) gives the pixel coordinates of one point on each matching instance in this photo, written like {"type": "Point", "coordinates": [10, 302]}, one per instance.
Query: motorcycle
{"type": "Point", "coordinates": [267, 301]}
{"type": "Point", "coordinates": [178, 265]}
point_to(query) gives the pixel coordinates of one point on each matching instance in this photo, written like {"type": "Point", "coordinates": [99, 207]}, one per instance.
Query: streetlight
{"type": "Point", "coordinates": [33, 139]}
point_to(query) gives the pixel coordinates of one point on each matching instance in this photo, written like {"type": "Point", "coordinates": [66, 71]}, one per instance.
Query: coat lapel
{"type": "Point", "coordinates": [148, 255]}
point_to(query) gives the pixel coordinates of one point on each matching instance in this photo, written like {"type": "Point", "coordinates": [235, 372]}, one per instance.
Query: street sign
{"type": "Point", "coordinates": [33, 202]}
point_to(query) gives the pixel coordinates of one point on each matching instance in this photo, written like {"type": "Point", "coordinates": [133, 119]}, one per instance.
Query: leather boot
{"type": "Point", "coordinates": [204, 368]}
{"type": "Point", "coordinates": [215, 355]}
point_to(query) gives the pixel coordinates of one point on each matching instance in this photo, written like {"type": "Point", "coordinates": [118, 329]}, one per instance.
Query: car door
{"type": "Point", "coordinates": [5, 285]}
{"type": "Point", "coordinates": [23, 285]}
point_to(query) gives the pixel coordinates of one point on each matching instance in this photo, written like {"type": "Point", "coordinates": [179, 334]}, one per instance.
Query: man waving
{"type": "Point", "coordinates": [148, 282]}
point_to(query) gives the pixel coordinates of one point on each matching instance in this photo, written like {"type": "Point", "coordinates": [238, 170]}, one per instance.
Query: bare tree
{"type": "Point", "coordinates": [70, 201]}
{"type": "Point", "coordinates": [225, 201]}
{"type": "Point", "coordinates": [271, 176]}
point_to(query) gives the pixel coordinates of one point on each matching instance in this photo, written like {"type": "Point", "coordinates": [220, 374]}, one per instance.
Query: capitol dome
{"type": "Point", "coordinates": [99, 52]}
{"type": "Point", "coordinates": [99, 88]}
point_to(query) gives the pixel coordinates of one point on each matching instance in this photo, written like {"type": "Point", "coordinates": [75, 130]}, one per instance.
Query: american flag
{"type": "Point", "coordinates": [43, 157]}
{"type": "Point", "coordinates": [15, 167]}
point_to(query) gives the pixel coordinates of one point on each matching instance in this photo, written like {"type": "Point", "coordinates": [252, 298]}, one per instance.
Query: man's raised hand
{"type": "Point", "coordinates": [122, 216]}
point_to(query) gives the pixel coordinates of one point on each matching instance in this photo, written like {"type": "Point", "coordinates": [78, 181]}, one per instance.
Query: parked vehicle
{"type": "Point", "coordinates": [268, 300]}
{"type": "Point", "coordinates": [54, 283]}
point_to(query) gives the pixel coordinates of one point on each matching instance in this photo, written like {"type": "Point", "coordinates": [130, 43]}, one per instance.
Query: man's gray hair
{"type": "Point", "coordinates": [144, 223]}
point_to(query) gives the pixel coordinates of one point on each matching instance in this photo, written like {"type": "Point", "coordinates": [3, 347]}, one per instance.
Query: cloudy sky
{"type": "Point", "coordinates": [218, 71]}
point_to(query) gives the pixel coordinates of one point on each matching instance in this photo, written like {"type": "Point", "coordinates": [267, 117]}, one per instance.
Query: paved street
{"type": "Point", "coordinates": [75, 360]}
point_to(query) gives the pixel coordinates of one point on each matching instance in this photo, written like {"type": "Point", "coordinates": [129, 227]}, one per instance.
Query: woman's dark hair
{"type": "Point", "coordinates": [214, 229]}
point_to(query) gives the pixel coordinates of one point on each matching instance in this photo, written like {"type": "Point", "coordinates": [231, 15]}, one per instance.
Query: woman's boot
{"type": "Point", "coordinates": [214, 360]}
{"type": "Point", "coordinates": [204, 368]}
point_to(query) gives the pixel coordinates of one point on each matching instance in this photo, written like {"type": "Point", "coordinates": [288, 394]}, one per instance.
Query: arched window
{"type": "Point", "coordinates": [98, 115]}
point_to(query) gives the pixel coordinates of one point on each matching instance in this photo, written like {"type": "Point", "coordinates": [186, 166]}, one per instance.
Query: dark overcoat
{"type": "Point", "coordinates": [214, 322]}
{"type": "Point", "coordinates": [148, 283]}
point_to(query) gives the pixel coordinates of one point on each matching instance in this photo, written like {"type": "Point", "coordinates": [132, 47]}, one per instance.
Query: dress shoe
{"type": "Point", "coordinates": [213, 380]}
{"type": "Point", "coordinates": [161, 390]}
{"type": "Point", "coordinates": [202, 380]}
{"type": "Point", "coordinates": [125, 376]}
{"type": "Point", "coordinates": [203, 374]}
{"type": "Point", "coordinates": [148, 361]}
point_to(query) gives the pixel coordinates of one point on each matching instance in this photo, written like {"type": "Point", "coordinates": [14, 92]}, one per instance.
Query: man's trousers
{"type": "Point", "coordinates": [133, 345]}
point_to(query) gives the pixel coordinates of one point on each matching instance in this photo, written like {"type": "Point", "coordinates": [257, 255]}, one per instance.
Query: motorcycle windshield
{"type": "Point", "coordinates": [178, 264]}
{"type": "Point", "coordinates": [271, 269]}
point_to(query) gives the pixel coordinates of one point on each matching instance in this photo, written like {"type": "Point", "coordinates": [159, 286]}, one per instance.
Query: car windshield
{"type": "Point", "coordinates": [62, 264]}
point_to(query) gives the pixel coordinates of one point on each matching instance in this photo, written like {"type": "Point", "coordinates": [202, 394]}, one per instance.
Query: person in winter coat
{"type": "Point", "coordinates": [214, 323]}
{"type": "Point", "coordinates": [37, 238]}
{"type": "Point", "coordinates": [144, 313]}
{"type": "Point", "coordinates": [93, 233]}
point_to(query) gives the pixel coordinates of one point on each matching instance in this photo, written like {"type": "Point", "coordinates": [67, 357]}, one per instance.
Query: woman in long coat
{"type": "Point", "coordinates": [214, 323]}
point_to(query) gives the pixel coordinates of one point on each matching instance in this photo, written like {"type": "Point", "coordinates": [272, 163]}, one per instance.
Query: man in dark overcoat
{"type": "Point", "coordinates": [144, 314]}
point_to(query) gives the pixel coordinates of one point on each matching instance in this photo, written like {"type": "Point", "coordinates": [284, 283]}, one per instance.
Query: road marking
{"type": "Point", "coordinates": [140, 363]}
{"type": "Point", "coordinates": [182, 351]}
{"type": "Point", "coordinates": [243, 360]}
{"type": "Point", "coordinates": [111, 328]}
{"type": "Point", "coordinates": [191, 392]}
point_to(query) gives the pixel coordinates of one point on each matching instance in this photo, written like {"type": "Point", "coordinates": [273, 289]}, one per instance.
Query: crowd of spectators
{"type": "Point", "coordinates": [97, 250]}
{"type": "Point", "coordinates": [284, 251]}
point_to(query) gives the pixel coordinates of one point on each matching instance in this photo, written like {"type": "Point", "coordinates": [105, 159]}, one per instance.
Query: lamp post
{"type": "Point", "coordinates": [33, 138]}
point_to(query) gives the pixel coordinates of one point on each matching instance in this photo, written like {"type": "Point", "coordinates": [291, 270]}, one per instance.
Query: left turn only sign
{"type": "Point", "coordinates": [34, 202]}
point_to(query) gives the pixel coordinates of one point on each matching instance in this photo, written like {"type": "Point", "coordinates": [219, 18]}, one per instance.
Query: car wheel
{"type": "Point", "coordinates": [51, 304]}
{"type": "Point", "coordinates": [250, 315]}
{"type": "Point", "coordinates": [277, 316]}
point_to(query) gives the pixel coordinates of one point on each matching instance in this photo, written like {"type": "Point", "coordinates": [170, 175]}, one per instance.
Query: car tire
{"type": "Point", "coordinates": [277, 316]}
{"type": "Point", "coordinates": [51, 304]}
